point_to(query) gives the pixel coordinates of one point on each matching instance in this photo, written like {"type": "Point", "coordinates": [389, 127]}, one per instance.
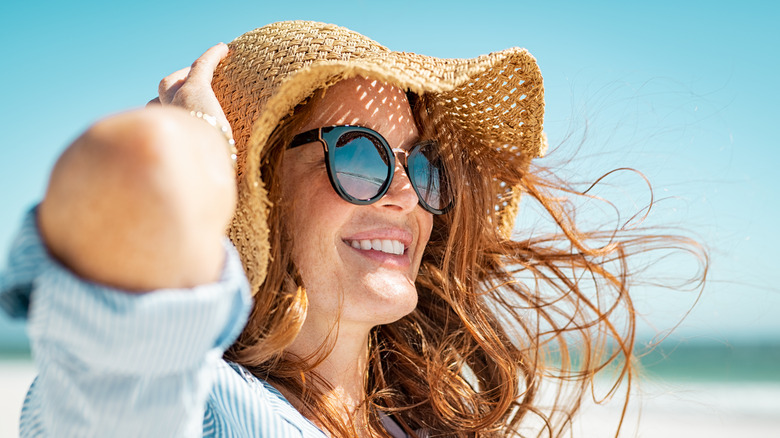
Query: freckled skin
{"type": "Point", "coordinates": [342, 284]}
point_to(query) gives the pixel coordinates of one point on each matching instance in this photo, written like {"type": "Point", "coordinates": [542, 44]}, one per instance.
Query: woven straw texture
{"type": "Point", "coordinates": [497, 99]}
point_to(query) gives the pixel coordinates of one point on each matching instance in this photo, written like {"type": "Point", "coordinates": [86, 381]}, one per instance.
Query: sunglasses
{"type": "Point", "coordinates": [361, 165]}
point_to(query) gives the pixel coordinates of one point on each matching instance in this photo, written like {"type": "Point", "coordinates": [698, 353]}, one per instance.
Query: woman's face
{"type": "Point", "coordinates": [343, 281]}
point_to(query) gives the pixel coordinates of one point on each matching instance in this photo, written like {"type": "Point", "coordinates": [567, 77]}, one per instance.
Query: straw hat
{"type": "Point", "coordinates": [497, 98]}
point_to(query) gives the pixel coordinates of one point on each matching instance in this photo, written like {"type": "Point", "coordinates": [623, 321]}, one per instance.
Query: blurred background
{"type": "Point", "coordinates": [683, 92]}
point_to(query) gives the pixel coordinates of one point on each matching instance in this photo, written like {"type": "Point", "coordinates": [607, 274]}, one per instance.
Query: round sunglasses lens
{"type": "Point", "coordinates": [361, 165]}
{"type": "Point", "coordinates": [427, 175]}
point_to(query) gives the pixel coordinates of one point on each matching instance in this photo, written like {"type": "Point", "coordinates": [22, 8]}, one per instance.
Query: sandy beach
{"type": "Point", "coordinates": [15, 378]}
{"type": "Point", "coordinates": [668, 409]}
{"type": "Point", "coordinates": [691, 410]}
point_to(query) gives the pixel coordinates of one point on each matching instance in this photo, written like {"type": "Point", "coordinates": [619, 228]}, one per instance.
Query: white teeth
{"type": "Point", "coordinates": [383, 245]}
{"type": "Point", "coordinates": [387, 246]}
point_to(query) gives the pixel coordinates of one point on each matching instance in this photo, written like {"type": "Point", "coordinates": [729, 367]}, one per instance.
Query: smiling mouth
{"type": "Point", "coordinates": [387, 246]}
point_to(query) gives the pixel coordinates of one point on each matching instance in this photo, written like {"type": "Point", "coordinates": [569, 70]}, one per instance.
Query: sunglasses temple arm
{"type": "Point", "coordinates": [305, 138]}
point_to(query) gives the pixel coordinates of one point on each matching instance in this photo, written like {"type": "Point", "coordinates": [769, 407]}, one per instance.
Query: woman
{"type": "Point", "coordinates": [375, 198]}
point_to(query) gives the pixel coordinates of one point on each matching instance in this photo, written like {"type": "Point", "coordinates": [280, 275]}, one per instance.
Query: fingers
{"type": "Point", "coordinates": [202, 69]}
{"type": "Point", "coordinates": [171, 84]}
{"type": "Point", "coordinates": [155, 101]}
{"type": "Point", "coordinates": [190, 87]}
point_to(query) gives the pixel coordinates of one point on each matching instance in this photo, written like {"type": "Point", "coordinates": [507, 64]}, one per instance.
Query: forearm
{"type": "Point", "coordinates": [118, 364]}
{"type": "Point", "coordinates": [141, 201]}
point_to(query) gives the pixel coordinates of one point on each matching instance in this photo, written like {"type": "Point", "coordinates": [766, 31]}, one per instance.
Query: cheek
{"type": "Point", "coordinates": [304, 189]}
{"type": "Point", "coordinates": [313, 205]}
{"type": "Point", "coordinates": [313, 220]}
{"type": "Point", "coordinates": [425, 224]}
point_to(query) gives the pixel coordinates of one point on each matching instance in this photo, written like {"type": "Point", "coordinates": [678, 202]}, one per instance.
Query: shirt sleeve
{"type": "Point", "coordinates": [117, 364]}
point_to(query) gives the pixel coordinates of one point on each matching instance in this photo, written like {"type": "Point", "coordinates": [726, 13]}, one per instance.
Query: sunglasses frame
{"type": "Point", "coordinates": [329, 135]}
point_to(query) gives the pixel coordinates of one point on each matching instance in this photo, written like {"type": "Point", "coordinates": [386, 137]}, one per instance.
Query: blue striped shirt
{"type": "Point", "coordinates": [127, 365]}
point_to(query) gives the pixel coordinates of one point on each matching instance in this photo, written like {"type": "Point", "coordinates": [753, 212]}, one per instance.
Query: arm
{"type": "Point", "coordinates": [141, 200]}
{"type": "Point", "coordinates": [138, 203]}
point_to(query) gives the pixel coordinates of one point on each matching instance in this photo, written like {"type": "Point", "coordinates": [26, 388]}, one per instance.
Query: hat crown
{"type": "Point", "coordinates": [261, 60]}
{"type": "Point", "coordinates": [277, 50]}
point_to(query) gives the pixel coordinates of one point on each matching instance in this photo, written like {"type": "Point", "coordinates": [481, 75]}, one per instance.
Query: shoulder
{"type": "Point", "coordinates": [241, 404]}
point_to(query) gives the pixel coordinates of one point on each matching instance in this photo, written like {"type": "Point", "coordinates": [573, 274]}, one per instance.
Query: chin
{"type": "Point", "coordinates": [389, 303]}
{"type": "Point", "coordinates": [397, 313]}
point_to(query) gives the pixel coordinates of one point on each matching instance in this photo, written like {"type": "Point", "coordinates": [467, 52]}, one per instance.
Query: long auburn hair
{"type": "Point", "coordinates": [496, 318]}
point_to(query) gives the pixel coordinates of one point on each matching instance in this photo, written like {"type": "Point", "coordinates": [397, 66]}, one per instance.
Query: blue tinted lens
{"type": "Point", "coordinates": [361, 165]}
{"type": "Point", "coordinates": [426, 172]}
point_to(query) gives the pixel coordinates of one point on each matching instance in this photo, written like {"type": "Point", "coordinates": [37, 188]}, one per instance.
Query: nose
{"type": "Point", "coordinates": [400, 195]}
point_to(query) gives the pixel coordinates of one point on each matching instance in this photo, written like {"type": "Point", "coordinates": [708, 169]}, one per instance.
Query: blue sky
{"type": "Point", "coordinates": [683, 91]}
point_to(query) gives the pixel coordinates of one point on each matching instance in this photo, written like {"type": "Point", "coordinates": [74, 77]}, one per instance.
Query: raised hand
{"type": "Point", "coordinates": [190, 87]}
{"type": "Point", "coordinates": [141, 200]}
